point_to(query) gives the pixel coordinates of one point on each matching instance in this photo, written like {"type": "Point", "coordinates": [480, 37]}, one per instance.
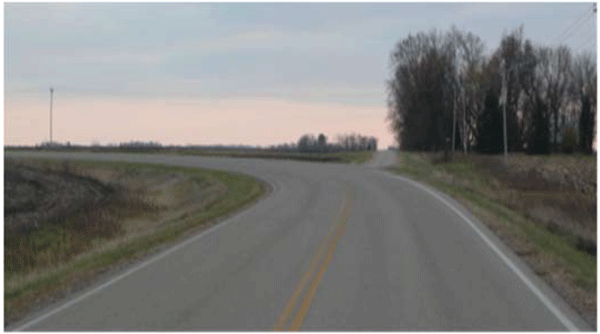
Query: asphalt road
{"type": "Point", "coordinates": [332, 247]}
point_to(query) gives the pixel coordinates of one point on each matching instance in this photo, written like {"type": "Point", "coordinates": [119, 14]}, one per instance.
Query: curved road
{"type": "Point", "coordinates": [332, 247]}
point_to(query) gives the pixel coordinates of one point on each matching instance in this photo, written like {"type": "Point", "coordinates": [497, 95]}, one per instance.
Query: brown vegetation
{"type": "Point", "coordinates": [64, 221]}
{"type": "Point", "coordinates": [542, 207]}
{"type": "Point", "coordinates": [53, 213]}
{"type": "Point", "coordinates": [557, 191]}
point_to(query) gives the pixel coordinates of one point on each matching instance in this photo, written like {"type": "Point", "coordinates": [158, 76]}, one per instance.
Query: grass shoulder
{"type": "Point", "coordinates": [543, 208]}
{"type": "Point", "coordinates": [145, 207]}
{"type": "Point", "coordinates": [355, 157]}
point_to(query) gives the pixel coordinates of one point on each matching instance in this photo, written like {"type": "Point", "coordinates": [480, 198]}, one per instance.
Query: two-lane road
{"type": "Point", "coordinates": [332, 247]}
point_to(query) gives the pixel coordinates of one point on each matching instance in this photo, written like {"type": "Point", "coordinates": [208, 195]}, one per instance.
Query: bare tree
{"type": "Point", "coordinates": [470, 63]}
{"type": "Point", "coordinates": [307, 143]}
{"type": "Point", "coordinates": [584, 89]}
{"type": "Point", "coordinates": [510, 51]}
{"type": "Point", "coordinates": [372, 144]}
{"type": "Point", "coordinates": [558, 77]}
{"type": "Point", "coordinates": [421, 91]}
{"type": "Point", "coordinates": [322, 139]}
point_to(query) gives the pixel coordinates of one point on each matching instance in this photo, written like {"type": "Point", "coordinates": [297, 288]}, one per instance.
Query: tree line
{"type": "Point", "coordinates": [308, 143]}
{"type": "Point", "coordinates": [445, 90]}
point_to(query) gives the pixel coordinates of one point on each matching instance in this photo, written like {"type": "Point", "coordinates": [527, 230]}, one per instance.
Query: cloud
{"type": "Point", "coordinates": [104, 57]}
{"type": "Point", "coordinates": [269, 40]}
{"type": "Point", "coordinates": [334, 52]}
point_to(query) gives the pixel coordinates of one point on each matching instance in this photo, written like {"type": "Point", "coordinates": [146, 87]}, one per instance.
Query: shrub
{"type": "Point", "coordinates": [569, 139]}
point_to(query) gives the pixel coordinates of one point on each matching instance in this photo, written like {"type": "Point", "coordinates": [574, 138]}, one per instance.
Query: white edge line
{"type": "Point", "coordinates": [136, 268]}
{"type": "Point", "coordinates": [561, 317]}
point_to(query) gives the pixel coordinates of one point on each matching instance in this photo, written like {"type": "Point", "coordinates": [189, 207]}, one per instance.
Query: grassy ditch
{"type": "Point", "coordinates": [144, 207]}
{"type": "Point", "coordinates": [544, 208]}
{"type": "Point", "coordinates": [336, 157]}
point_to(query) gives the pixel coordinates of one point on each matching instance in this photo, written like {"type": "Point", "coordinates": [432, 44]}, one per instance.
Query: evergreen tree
{"type": "Point", "coordinates": [490, 135]}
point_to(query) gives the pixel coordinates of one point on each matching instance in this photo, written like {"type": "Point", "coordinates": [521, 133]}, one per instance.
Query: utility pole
{"type": "Point", "coordinates": [505, 72]}
{"type": "Point", "coordinates": [504, 120]}
{"type": "Point", "coordinates": [453, 122]}
{"type": "Point", "coordinates": [51, 97]}
{"type": "Point", "coordinates": [464, 122]}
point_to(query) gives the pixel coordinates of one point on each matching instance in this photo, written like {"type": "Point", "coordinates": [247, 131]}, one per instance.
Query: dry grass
{"type": "Point", "coordinates": [353, 157]}
{"type": "Point", "coordinates": [147, 207]}
{"type": "Point", "coordinates": [356, 157]}
{"type": "Point", "coordinates": [543, 208]}
{"type": "Point", "coordinates": [58, 238]}
{"type": "Point", "coordinates": [558, 192]}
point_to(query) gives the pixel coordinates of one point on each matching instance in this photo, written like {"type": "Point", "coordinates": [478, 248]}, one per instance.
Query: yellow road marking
{"type": "Point", "coordinates": [289, 307]}
{"type": "Point", "coordinates": [313, 288]}
{"type": "Point", "coordinates": [339, 226]}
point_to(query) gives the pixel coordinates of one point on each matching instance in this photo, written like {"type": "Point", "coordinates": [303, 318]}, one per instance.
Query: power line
{"type": "Point", "coordinates": [577, 28]}
{"type": "Point", "coordinates": [592, 38]}
{"type": "Point", "coordinates": [573, 24]}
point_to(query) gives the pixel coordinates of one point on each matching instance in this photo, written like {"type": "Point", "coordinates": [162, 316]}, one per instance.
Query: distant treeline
{"type": "Point", "coordinates": [137, 146]}
{"type": "Point", "coordinates": [308, 143]}
{"type": "Point", "coordinates": [549, 94]}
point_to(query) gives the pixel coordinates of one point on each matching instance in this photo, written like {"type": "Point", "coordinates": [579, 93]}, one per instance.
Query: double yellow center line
{"type": "Point", "coordinates": [338, 227]}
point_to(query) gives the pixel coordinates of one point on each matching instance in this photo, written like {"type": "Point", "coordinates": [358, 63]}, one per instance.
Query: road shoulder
{"type": "Point", "coordinates": [31, 291]}
{"type": "Point", "coordinates": [552, 258]}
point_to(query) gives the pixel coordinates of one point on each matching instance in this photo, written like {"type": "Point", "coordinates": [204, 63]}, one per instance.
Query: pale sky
{"type": "Point", "coordinates": [227, 73]}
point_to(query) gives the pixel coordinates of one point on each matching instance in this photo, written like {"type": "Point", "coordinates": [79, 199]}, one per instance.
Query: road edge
{"type": "Point", "coordinates": [161, 251]}
{"type": "Point", "coordinates": [546, 294]}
